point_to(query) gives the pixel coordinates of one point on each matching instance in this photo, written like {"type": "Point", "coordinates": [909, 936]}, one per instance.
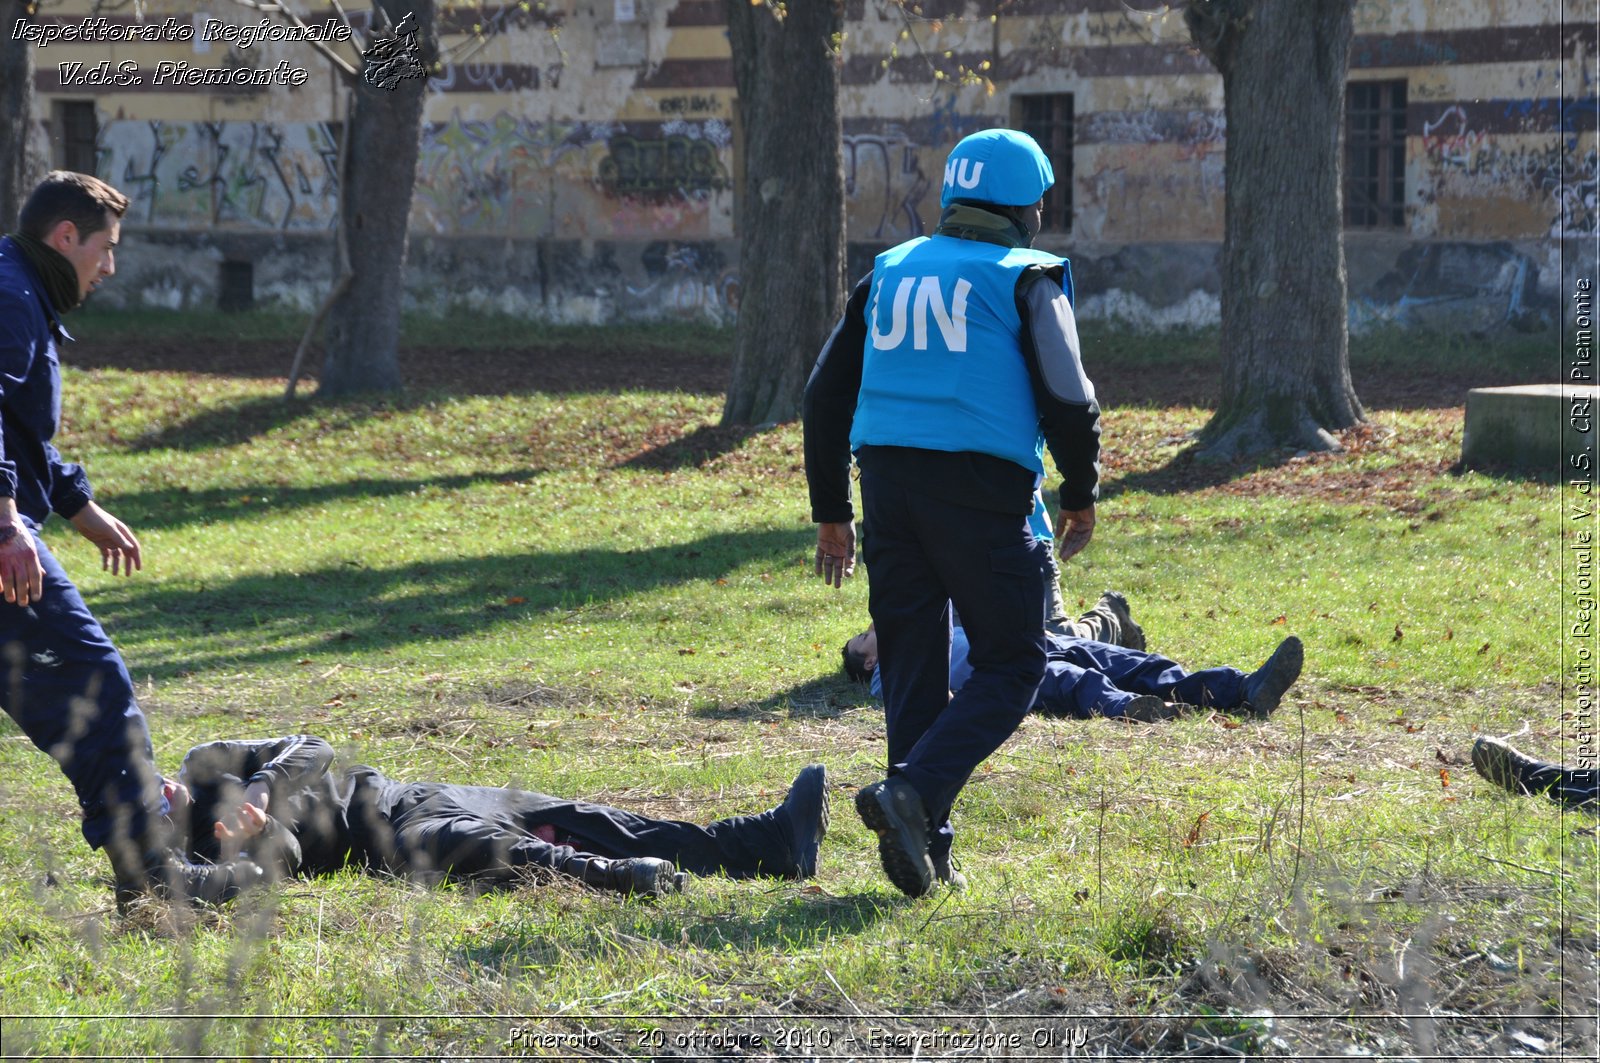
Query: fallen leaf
{"type": "Point", "coordinates": [1194, 831]}
{"type": "Point", "coordinates": [1483, 649]}
{"type": "Point", "coordinates": [686, 651]}
{"type": "Point", "coordinates": [1444, 776]}
{"type": "Point", "coordinates": [1280, 619]}
{"type": "Point", "coordinates": [1449, 633]}
{"type": "Point", "coordinates": [1398, 634]}
{"type": "Point", "coordinates": [516, 599]}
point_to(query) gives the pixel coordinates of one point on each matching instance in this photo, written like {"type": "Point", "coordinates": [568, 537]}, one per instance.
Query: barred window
{"type": "Point", "coordinates": [1375, 155]}
{"type": "Point", "coordinates": [77, 128]}
{"type": "Point", "coordinates": [1048, 119]}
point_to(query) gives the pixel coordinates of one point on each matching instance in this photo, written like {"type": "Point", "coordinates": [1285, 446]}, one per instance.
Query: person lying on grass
{"type": "Point", "coordinates": [1085, 677]}
{"type": "Point", "coordinates": [281, 803]}
{"type": "Point", "coordinates": [1506, 766]}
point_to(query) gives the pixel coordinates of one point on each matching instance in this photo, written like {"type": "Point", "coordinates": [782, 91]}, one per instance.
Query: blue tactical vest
{"type": "Point", "coordinates": [943, 368]}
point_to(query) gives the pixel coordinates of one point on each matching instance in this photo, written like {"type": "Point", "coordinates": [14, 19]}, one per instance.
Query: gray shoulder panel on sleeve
{"type": "Point", "coordinates": [1055, 337]}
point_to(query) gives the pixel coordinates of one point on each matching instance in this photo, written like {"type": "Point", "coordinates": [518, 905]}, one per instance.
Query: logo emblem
{"type": "Point", "coordinates": [389, 60]}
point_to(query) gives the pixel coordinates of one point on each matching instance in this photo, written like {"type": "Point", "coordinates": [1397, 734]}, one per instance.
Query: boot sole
{"type": "Point", "coordinates": [907, 867]}
{"type": "Point", "coordinates": [810, 796]}
{"type": "Point", "coordinates": [1282, 670]}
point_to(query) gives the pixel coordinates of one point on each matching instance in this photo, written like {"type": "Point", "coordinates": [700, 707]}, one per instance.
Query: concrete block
{"type": "Point", "coordinates": [1530, 427]}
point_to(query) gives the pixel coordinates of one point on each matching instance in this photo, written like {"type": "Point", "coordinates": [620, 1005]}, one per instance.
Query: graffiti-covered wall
{"type": "Point", "coordinates": [580, 161]}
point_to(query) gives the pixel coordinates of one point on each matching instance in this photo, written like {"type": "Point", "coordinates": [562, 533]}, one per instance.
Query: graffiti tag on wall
{"type": "Point", "coordinates": [259, 175]}
{"type": "Point", "coordinates": [670, 166]}
{"type": "Point", "coordinates": [884, 186]}
{"type": "Point", "coordinates": [1468, 163]}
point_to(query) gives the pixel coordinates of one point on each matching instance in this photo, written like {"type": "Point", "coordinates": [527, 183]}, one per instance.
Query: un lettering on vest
{"type": "Point", "coordinates": [950, 317]}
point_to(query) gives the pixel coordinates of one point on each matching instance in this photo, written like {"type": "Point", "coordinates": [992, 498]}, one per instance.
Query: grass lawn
{"type": "Point", "coordinates": [532, 570]}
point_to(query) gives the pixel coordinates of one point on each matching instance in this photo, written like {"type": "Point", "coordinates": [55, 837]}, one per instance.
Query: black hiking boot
{"type": "Point", "coordinates": [1264, 688]}
{"type": "Point", "coordinates": [803, 818]}
{"type": "Point", "coordinates": [644, 876]}
{"type": "Point", "coordinates": [893, 810]}
{"type": "Point", "coordinates": [1130, 635]}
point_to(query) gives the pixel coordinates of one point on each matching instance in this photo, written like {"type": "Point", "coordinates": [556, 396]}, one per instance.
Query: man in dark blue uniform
{"type": "Point", "coordinates": [65, 684]}
{"type": "Point", "coordinates": [955, 362]}
{"type": "Point", "coordinates": [282, 801]}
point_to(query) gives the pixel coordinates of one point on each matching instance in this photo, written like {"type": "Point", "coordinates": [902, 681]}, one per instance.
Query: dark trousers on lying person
{"type": "Point", "coordinates": [1085, 679]}
{"type": "Point", "coordinates": [491, 834]}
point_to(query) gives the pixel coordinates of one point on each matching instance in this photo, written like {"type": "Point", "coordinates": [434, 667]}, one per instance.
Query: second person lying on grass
{"type": "Point", "coordinates": [282, 802]}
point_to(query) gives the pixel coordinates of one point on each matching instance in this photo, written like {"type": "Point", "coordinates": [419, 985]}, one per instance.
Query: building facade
{"type": "Point", "coordinates": [580, 157]}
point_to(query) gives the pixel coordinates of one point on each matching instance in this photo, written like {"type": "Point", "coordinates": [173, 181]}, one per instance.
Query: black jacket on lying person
{"type": "Point", "coordinates": [321, 819]}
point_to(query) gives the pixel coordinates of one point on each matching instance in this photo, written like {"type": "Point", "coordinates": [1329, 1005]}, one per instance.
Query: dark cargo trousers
{"type": "Point", "coordinates": [924, 555]}
{"type": "Point", "coordinates": [487, 834]}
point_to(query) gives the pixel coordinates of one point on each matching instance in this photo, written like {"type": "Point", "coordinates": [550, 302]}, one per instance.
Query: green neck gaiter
{"type": "Point", "coordinates": [966, 222]}
{"type": "Point", "coordinates": [59, 276]}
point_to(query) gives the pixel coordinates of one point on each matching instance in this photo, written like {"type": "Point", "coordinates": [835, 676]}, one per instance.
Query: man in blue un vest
{"type": "Point", "coordinates": [955, 363]}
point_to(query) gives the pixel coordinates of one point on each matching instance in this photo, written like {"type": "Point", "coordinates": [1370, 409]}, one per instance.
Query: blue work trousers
{"type": "Point", "coordinates": [924, 555]}
{"type": "Point", "coordinates": [1085, 679]}
{"type": "Point", "coordinates": [67, 688]}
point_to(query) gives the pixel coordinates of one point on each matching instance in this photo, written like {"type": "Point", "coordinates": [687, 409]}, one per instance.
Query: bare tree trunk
{"type": "Point", "coordinates": [1285, 343]}
{"type": "Point", "coordinates": [791, 205]}
{"type": "Point", "coordinates": [20, 166]}
{"type": "Point", "coordinates": [379, 174]}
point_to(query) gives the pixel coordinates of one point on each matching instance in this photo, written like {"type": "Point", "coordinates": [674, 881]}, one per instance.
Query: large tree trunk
{"type": "Point", "coordinates": [1285, 344]}
{"type": "Point", "coordinates": [20, 165]}
{"type": "Point", "coordinates": [791, 205]}
{"type": "Point", "coordinates": [380, 170]}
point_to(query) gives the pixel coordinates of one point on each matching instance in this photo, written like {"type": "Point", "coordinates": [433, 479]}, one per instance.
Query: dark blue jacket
{"type": "Point", "coordinates": [30, 396]}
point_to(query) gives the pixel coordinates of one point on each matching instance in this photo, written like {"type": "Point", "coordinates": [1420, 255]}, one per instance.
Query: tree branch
{"type": "Point", "coordinates": [332, 56]}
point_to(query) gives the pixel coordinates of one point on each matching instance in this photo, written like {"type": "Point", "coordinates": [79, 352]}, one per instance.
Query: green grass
{"type": "Point", "coordinates": [496, 590]}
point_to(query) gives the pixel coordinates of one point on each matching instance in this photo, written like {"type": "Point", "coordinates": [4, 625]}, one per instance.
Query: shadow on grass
{"type": "Point", "coordinates": [823, 698]}
{"type": "Point", "coordinates": [179, 507]}
{"type": "Point", "coordinates": [1184, 472]}
{"type": "Point", "coordinates": [262, 618]}
{"type": "Point", "coordinates": [701, 446]}
{"type": "Point", "coordinates": [245, 420]}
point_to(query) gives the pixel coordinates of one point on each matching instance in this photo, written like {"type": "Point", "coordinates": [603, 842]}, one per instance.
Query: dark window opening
{"type": "Point", "coordinates": [1375, 154]}
{"type": "Point", "coordinates": [77, 129]}
{"type": "Point", "coordinates": [1048, 119]}
{"type": "Point", "coordinates": [237, 286]}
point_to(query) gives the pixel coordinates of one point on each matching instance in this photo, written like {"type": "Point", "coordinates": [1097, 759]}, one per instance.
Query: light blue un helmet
{"type": "Point", "coordinates": [999, 166]}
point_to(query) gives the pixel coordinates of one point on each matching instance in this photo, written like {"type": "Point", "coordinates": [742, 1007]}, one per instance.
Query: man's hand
{"type": "Point", "coordinates": [251, 819]}
{"type": "Point", "coordinates": [119, 550]}
{"type": "Point", "coordinates": [21, 577]}
{"type": "Point", "coordinates": [836, 551]}
{"type": "Point", "coordinates": [1076, 528]}
{"type": "Point", "coordinates": [250, 822]}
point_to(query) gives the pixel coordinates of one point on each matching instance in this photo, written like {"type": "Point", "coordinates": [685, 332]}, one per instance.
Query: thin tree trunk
{"type": "Point", "coordinates": [1285, 342]}
{"type": "Point", "coordinates": [791, 203]}
{"type": "Point", "coordinates": [379, 174]}
{"type": "Point", "coordinates": [18, 163]}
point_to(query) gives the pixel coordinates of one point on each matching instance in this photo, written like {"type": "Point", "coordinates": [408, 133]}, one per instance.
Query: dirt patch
{"type": "Point", "coordinates": [456, 370]}
{"type": "Point", "coordinates": [576, 369]}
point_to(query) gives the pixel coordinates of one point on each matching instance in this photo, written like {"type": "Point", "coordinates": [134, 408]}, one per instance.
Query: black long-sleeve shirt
{"type": "Point", "coordinates": [1069, 417]}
